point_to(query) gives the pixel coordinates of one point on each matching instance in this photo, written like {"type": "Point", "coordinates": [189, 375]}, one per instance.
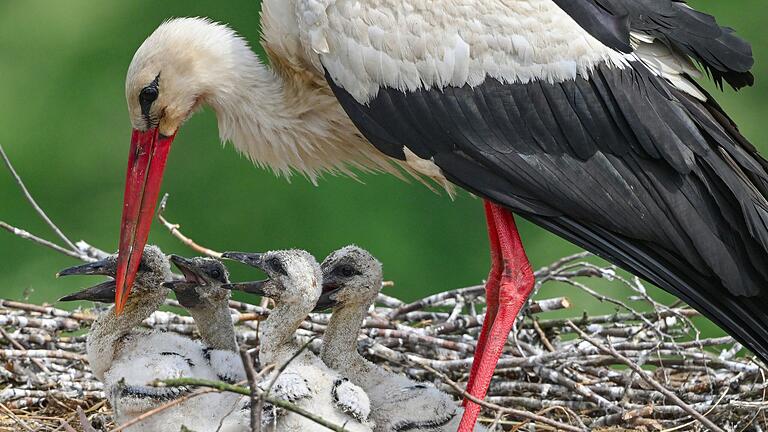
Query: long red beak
{"type": "Point", "coordinates": [146, 163]}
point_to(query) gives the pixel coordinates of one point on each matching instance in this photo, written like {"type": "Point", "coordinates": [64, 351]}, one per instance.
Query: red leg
{"type": "Point", "coordinates": [491, 296]}
{"type": "Point", "coordinates": [514, 288]}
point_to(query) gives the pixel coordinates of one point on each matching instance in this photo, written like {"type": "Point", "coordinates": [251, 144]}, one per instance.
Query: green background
{"type": "Point", "coordinates": [63, 122]}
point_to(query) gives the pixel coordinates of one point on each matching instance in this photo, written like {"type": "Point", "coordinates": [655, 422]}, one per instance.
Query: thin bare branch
{"type": "Point", "coordinates": [250, 372]}
{"type": "Point", "coordinates": [26, 235]}
{"type": "Point", "coordinates": [32, 201]}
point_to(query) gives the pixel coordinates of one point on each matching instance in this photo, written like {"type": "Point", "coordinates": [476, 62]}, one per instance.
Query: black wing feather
{"type": "Point", "coordinates": [618, 162]}
{"type": "Point", "coordinates": [725, 56]}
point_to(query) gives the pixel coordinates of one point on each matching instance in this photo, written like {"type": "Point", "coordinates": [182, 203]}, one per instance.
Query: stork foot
{"type": "Point", "coordinates": [514, 285]}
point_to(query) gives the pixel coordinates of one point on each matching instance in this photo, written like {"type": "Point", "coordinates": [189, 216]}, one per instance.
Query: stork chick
{"type": "Point", "coordinates": [127, 358]}
{"type": "Point", "coordinates": [351, 281]}
{"type": "Point", "coordinates": [295, 284]}
{"type": "Point", "coordinates": [202, 295]}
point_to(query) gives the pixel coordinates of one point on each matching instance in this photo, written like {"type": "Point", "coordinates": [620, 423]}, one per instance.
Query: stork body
{"type": "Point", "coordinates": [127, 359]}
{"type": "Point", "coordinates": [581, 116]}
{"type": "Point", "coordinates": [295, 284]}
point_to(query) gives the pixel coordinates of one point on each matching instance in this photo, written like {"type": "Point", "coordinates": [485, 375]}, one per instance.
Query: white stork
{"type": "Point", "coordinates": [583, 116]}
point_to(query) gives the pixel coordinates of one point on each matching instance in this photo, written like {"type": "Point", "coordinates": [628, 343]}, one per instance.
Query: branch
{"type": "Point", "coordinates": [250, 372]}
{"type": "Point", "coordinates": [43, 242]}
{"type": "Point", "coordinates": [82, 251]}
{"type": "Point", "coordinates": [32, 201]}
{"type": "Point", "coordinates": [638, 370]}
{"type": "Point", "coordinates": [498, 408]}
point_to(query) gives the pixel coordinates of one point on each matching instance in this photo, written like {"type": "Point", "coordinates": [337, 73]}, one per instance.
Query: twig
{"type": "Point", "coordinates": [31, 354]}
{"type": "Point", "coordinates": [250, 372]}
{"type": "Point", "coordinates": [46, 310]}
{"type": "Point", "coordinates": [222, 386]}
{"type": "Point", "coordinates": [174, 229]}
{"type": "Point", "coordinates": [26, 235]}
{"type": "Point", "coordinates": [84, 423]}
{"type": "Point", "coordinates": [19, 346]}
{"type": "Point", "coordinates": [32, 201]}
{"type": "Point", "coordinates": [673, 397]}
{"type": "Point", "coordinates": [499, 408]}
{"type": "Point", "coordinates": [543, 336]}
{"type": "Point", "coordinates": [66, 426]}
{"type": "Point", "coordinates": [15, 418]}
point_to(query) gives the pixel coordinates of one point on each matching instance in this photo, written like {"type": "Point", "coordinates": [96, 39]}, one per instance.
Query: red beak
{"type": "Point", "coordinates": [146, 163]}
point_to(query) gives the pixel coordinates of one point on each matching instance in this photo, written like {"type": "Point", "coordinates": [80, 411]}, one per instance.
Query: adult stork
{"type": "Point", "coordinates": [582, 116]}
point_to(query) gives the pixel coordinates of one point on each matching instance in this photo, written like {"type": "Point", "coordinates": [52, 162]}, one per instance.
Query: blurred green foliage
{"type": "Point", "coordinates": [63, 122]}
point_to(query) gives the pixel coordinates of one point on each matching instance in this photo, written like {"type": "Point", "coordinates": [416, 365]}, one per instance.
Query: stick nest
{"type": "Point", "coordinates": [643, 367]}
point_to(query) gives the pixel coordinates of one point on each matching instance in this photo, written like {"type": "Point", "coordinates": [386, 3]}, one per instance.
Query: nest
{"type": "Point", "coordinates": [643, 367]}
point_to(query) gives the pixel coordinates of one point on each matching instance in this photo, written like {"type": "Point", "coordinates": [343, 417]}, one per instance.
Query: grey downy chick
{"type": "Point", "coordinates": [294, 283]}
{"type": "Point", "coordinates": [352, 280]}
{"type": "Point", "coordinates": [126, 357]}
{"type": "Point", "coordinates": [202, 295]}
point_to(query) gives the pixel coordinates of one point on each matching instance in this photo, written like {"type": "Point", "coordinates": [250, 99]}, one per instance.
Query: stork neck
{"type": "Point", "coordinates": [339, 350]}
{"type": "Point", "coordinates": [215, 326]}
{"type": "Point", "coordinates": [276, 333]}
{"type": "Point", "coordinates": [107, 331]}
{"type": "Point", "coordinates": [269, 120]}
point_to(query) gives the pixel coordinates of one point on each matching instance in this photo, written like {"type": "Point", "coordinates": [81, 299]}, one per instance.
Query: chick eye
{"type": "Point", "coordinates": [346, 270]}
{"type": "Point", "coordinates": [215, 273]}
{"type": "Point", "coordinates": [277, 266]}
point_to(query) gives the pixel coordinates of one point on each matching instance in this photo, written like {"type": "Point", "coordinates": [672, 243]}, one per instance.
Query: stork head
{"type": "Point", "coordinates": [153, 270]}
{"type": "Point", "coordinates": [185, 63]}
{"type": "Point", "coordinates": [351, 277]}
{"type": "Point", "coordinates": [294, 276]}
{"type": "Point", "coordinates": [201, 287]}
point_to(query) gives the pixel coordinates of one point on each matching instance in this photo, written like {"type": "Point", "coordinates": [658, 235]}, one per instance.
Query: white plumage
{"type": "Point", "coordinates": [412, 44]}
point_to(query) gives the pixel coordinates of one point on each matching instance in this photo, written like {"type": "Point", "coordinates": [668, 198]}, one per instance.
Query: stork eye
{"type": "Point", "coordinates": [148, 95]}
{"type": "Point", "coordinates": [276, 266]}
{"type": "Point", "coordinates": [346, 270]}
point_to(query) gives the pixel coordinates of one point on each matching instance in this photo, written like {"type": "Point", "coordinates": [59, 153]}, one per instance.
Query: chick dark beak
{"type": "Point", "coordinates": [251, 259]}
{"type": "Point", "coordinates": [326, 300]}
{"type": "Point", "coordinates": [94, 268]}
{"type": "Point", "coordinates": [255, 287]}
{"type": "Point", "coordinates": [102, 293]}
